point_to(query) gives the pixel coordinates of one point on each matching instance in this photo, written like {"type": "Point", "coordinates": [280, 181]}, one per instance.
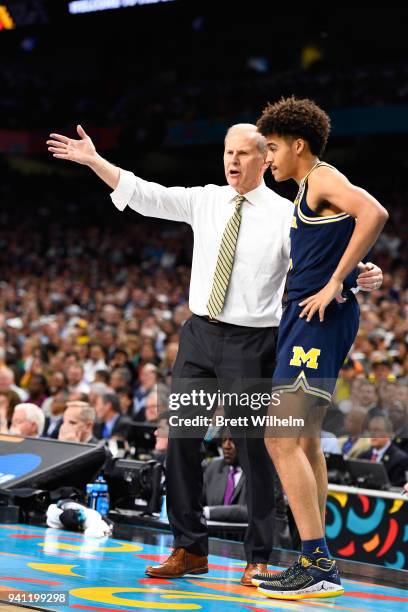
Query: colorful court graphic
{"type": "Point", "coordinates": [75, 573]}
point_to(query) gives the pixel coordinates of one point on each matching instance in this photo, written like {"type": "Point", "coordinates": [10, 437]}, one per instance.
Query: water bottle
{"type": "Point", "coordinates": [97, 496]}
{"type": "Point", "coordinates": [91, 495]}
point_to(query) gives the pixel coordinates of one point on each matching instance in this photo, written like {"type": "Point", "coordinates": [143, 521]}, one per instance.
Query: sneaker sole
{"type": "Point", "coordinates": [200, 570]}
{"type": "Point", "coordinates": [336, 591]}
{"type": "Point", "coordinates": [255, 582]}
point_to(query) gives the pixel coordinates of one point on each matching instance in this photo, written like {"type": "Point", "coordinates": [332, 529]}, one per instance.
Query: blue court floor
{"type": "Point", "coordinates": [108, 576]}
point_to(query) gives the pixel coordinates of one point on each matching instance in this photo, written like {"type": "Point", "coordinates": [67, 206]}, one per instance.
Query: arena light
{"type": "Point", "coordinates": [6, 21]}
{"type": "Point", "coordinates": [90, 6]}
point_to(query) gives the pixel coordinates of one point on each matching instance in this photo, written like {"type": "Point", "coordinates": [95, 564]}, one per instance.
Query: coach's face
{"type": "Point", "coordinates": [244, 159]}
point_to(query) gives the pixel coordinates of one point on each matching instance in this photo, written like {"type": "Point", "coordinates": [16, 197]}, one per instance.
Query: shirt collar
{"type": "Point", "coordinates": [253, 197]}
{"type": "Point", "coordinates": [381, 451]}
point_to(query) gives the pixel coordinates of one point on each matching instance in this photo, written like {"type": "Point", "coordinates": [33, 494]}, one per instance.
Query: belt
{"type": "Point", "coordinates": [209, 319]}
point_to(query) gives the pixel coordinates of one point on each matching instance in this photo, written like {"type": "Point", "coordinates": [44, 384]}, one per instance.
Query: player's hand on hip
{"type": "Point", "coordinates": [317, 303]}
{"type": "Point", "coordinates": [81, 151]}
{"type": "Point", "coordinates": [370, 277]}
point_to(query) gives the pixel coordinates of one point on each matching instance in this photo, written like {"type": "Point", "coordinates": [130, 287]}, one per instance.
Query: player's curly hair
{"type": "Point", "coordinates": [299, 118]}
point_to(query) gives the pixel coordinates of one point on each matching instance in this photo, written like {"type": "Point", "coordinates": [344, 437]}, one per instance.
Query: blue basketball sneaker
{"type": "Point", "coordinates": [307, 578]}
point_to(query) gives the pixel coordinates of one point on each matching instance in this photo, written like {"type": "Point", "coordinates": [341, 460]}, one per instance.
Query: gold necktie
{"type": "Point", "coordinates": [226, 254]}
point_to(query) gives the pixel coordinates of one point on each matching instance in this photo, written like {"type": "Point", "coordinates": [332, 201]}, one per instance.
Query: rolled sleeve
{"type": "Point", "coordinates": [123, 193]}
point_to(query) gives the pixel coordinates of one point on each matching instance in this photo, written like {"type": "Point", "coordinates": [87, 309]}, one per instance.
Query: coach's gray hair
{"type": "Point", "coordinates": [251, 128]}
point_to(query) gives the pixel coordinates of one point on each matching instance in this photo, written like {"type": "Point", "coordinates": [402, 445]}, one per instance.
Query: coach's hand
{"type": "Point", "coordinates": [319, 301]}
{"type": "Point", "coordinates": [370, 277]}
{"type": "Point", "coordinates": [81, 151]}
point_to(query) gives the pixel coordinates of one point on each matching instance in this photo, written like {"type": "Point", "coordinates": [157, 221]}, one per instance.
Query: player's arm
{"type": "Point", "coordinates": [146, 198]}
{"type": "Point", "coordinates": [330, 186]}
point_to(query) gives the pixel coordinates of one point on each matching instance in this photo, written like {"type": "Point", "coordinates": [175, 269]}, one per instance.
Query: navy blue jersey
{"type": "Point", "coordinates": [317, 245]}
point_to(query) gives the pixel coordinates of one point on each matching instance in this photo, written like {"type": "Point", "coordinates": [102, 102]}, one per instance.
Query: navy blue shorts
{"type": "Point", "coordinates": [310, 355]}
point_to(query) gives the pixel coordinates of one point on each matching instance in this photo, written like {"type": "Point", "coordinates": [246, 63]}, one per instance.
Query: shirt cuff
{"type": "Point", "coordinates": [206, 512]}
{"type": "Point", "coordinates": [123, 193]}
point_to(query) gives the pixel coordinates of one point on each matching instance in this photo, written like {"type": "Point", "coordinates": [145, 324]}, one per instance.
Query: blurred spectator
{"type": "Point", "coordinates": [54, 421]}
{"type": "Point", "coordinates": [120, 362]}
{"type": "Point", "coordinates": [37, 390]}
{"type": "Point", "coordinates": [119, 378]}
{"type": "Point", "coordinates": [78, 423]}
{"type": "Point", "coordinates": [367, 396]}
{"type": "Point", "coordinates": [169, 359]}
{"type": "Point", "coordinates": [125, 396]}
{"type": "Point", "coordinates": [353, 400]}
{"type": "Point", "coordinates": [383, 450]}
{"type": "Point", "coordinates": [347, 374]}
{"type": "Point", "coordinates": [56, 383]}
{"type": "Point", "coordinates": [110, 421]}
{"type": "Point", "coordinates": [97, 389]}
{"type": "Point", "coordinates": [8, 401]}
{"type": "Point", "coordinates": [95, 362]}
{"type": "Point", "coordinates": [386, 394]}
{"type": "Point", "coordinates": [148, 380]}
{"type": "Point", "coordinates": [354, 443]}
{"type": "Point", "coordinates": [28, 420]}
{"type": "Point", "coordinates": [224, 493]}
{"type": "Point", "coordinates": [75, 379]}
{"type": "Point", "coordinates": [398, 414]}
{"type": "Point", "coordinates": [401, 394]}
{"type": "Point", "coordinates": [102, 376]}
{"type": "Point", "coordinates": [7, 383]}
{"type": "Point", "coordinates": [156, 405]}
{"type": "Point", "coordinates": [380, 370]}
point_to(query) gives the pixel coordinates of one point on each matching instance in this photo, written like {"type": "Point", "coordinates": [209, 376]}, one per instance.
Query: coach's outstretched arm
{"type": "Point", "coordinates": [147, 198]}
{"type": "Point", "coordinates": [83, 152]}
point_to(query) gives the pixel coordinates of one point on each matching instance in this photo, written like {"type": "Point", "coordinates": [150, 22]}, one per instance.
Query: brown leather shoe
{"type": "Point", "coordinates": [250, 570]}
{"type": "Point", "coordinates": [179, 563]}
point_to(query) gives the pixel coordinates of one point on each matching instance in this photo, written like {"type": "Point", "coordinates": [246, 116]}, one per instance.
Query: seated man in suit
{"type": "Point", "coordinates": [54, 421]}
{"type": "Point", "coordinates": [354, 443]}
{"type": "Point", "coordinates": [385, 451]}
{"type": "Point", "coordinates": [111, 423]}
{"type": "Point", "coordinates": [398, 414]}
{"type": "Point", "coordinates": [78, 423]}
{"type": "Point", "coordinates": [225, 487]}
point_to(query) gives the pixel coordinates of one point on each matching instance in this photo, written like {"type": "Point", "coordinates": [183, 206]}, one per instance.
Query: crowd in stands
{"type": "Point", "coordinates": [35, 98]}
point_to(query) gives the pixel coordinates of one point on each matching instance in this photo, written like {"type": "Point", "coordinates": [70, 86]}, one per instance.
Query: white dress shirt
{"type": "Point", "coordinates": [262, 253]}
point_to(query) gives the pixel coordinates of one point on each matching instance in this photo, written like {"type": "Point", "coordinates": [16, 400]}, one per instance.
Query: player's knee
{"type": "Point", "coordinates": [279, 447]}
{"type": "Point", "coordinates": [311, 447]}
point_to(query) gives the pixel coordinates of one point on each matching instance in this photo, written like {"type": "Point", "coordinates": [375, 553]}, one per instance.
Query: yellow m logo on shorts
{"type": "Point", "coordinates": [309, 359]}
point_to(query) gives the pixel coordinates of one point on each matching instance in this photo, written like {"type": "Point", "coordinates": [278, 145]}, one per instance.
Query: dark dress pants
{"type": "Point", "coordinates": [211, 354]}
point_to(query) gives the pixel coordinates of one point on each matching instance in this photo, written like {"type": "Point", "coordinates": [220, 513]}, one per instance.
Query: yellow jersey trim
{"type": "Point", "coordinates": [315, 220]}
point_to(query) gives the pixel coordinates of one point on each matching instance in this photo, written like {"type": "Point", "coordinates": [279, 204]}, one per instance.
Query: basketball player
{"type": "Point", "coordinates": [335, 224]}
